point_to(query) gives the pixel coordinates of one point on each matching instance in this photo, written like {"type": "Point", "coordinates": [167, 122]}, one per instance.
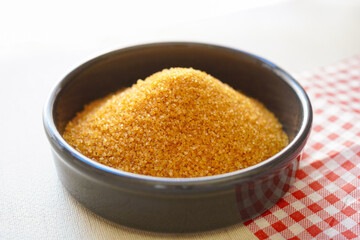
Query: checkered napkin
{"type": "Point", "coordinates": [324, 201]}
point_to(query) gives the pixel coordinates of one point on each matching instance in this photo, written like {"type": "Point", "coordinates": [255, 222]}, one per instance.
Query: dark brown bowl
{"type": "Point", "coordinates": [178, 204]}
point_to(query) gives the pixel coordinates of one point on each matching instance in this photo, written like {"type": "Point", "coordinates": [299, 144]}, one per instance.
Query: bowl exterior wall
{"type": "Point", "coordinates": [177, 212]}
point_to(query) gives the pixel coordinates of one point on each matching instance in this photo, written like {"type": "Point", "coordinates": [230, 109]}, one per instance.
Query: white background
{"type": "Point", "coordinates": [41, 41]}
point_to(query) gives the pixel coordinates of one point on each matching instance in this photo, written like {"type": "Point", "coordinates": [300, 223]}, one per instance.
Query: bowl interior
{"type": "Point", "coordinates": [120, 69]}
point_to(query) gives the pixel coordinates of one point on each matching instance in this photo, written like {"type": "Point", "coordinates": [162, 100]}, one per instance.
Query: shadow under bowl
{"type": "Point", "coordinates": [178, 204]}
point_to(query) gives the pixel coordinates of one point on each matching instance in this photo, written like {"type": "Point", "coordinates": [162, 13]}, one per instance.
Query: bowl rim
{"type": "Point", "coordinates": [162, 182]}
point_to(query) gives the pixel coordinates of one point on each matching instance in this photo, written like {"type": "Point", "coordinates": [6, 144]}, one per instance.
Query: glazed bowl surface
{"type": "Point", "coordinates": [178, 204]}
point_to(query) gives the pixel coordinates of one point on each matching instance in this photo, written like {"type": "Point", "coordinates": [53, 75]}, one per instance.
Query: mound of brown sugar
{"type": "Point", "coordinates": [179, 122]}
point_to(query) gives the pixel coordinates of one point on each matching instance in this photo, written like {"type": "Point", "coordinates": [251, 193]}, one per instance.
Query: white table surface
{"type": "Point", "coordinates": [41, 41]}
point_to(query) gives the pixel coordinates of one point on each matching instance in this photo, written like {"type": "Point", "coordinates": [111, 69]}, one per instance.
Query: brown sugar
{"type": "Point", "coordinates": [179, 122]}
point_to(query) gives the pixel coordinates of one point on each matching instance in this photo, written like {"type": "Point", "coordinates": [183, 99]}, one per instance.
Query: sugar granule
{"type": "Point", "coordinates": [179, 122]}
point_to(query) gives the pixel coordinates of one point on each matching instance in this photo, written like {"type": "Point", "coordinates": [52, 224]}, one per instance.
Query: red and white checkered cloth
{"type": "Point", "coordinates": [324, 201]}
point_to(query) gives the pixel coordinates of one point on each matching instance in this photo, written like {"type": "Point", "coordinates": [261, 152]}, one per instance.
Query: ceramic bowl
{"type": "Point", "coordinates": [178, 204]}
